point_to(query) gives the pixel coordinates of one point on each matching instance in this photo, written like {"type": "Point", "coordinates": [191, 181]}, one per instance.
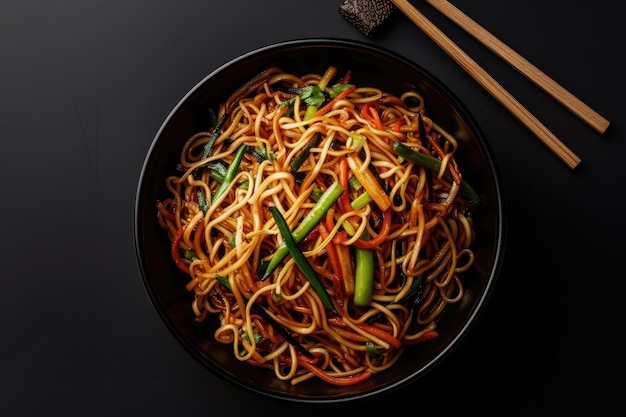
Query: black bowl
{"type": "Point", "coordinates": [385, 69]}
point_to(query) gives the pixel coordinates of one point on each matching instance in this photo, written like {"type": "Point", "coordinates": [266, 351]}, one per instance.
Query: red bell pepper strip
{"type": "Point", "coordinates": [341, 168]}
{"type": "Point", "coordinates": [339, 266]}
{"type": "Point", "coordinates": [370, 113]}
{"type": "Point", "coordinates": [428, 335]}
{"type": "Point", "coordinates": [167, 212]}
{"type": "Point", "coordinates": [326, 108]}
{"type": "Point", "coordinates": [175, 249]}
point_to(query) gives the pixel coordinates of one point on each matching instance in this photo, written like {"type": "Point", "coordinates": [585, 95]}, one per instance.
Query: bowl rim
{"type": "Point", "coordinates": [489, 159]}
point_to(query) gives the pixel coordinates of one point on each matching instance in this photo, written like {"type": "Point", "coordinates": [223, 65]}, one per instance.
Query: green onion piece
{"type": "Point", "coordinates": [259, 154]}
{"type": "Point", "coordinates": [191, 255]}
{"type": "Point", "coordinates": [361, 201]}
{"type": "Point", "coordinates": [328, 75]}
{"type": "Point", "coordinates": [230, 173]}
{"type": "Point", "coordinates": [202, 201]}
{"type": "Point", "coordinates": [424, 140]}
{"type": "Point", "coordinates": [414, 297]}
{"type": "Point", "coordinates": [308, 223]}
{"type": "Point", "coordinates": [414, 292]}
{"type": "Point", "coordinates": [316, 194]}
{"type": "Point", "coordinates": [309, 112]}
{"type": "Point", "coordinates": [224, 281]}
{"type": "Point", "coordinates": [316, 97]}
{"type": "Point", "coordinates": [208, 147]}
{"type": "Point", "coordinates": [297, 162]}
{"type": "Point", "coordinates": [363, 274]}
{"type": "Point", "coordinates": [301, 262]}
{"type": "Point", "coordinates": [212, 117]}
{"type": "Point", "coordinates": [434, 164]}
{"type": "Point", "coordinates": [357, 141]}
{"type": "Point", "coordinates": [257, 337]}
{"type": "Point", "coordinates": [339, 88]}
{"type": "Point", "coordinates": [313, 97]}
{"type": "Point", "coordinates": [371, 348]}
{"type": "Point", "coordinates": [217, 171]}
{"type": "Point", "coordinates": [354, 183]}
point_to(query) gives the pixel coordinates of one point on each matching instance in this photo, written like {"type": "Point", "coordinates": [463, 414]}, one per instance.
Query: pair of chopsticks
{"type": "Point", "coordinates": [572, 103]}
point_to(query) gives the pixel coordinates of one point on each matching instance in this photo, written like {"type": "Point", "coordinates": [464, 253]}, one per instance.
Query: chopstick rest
{"type": "Point", "coordinates": [368, 15]}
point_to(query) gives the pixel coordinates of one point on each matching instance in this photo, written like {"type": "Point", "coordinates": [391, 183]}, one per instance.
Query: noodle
{"type": "Point", "coordinates": [273, 146]}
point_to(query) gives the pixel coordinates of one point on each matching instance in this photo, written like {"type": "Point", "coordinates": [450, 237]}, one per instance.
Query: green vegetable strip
{"type": "Point", "coordinates": [230, 173]}
{"type": "Point", "coordinates": [300, 259]}
{"type": "Point", "coordinates": [415, 292]}
{"type": "Point", "coordinates": [361, 201]}
{"type": "Point", "coordinates": [313, 97]}
{"type": "Point", "coordinates": [308, 223]}
{"type": "Point", "coordinates": [363, 276]}
{"type": "Point", "coordinates": [218, 176]}
{"type": "Point", "coordinates": [429, 174]}
{"type": "Point", "coordinates": [217, 171]}
{"type": "Point", "coordinates": [208, 148]}
{"type": "Point", "coordinates": [202, 201]}
{"type": "Point", "coordinates": [328, 75]}
{"type": "Point", "coordinates": [316, 194]}
{"type": "Point", "coordinates": [297, 162]}
{"type": "Point", "coordinates": [212, 117]}
{"type": "Point", "coordinates": [434, 164]}
{"type": "Point", "coordinates": [371, 348]}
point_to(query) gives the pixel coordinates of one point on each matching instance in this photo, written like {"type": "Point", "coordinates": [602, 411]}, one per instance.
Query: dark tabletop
{"type": "Point", "coordinates": [84, 87]}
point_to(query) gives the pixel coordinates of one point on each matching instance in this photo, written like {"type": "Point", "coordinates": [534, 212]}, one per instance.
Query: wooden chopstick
{"type": "Point", "coordinates": [534, 74]}
{"type": "Point", "coordinates": [489, 84]}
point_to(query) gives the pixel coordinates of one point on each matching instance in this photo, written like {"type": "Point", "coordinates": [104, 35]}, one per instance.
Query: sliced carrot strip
{"type": "Point", "coordinates": [368, 181]}
{"type": "Point", "coordinates": [328, 106]}
{"type": "Point", "coordinates": [335, 263]}
{"type": "Point", "coordinates": [376, 118]}
{"type": "Point", "coordinates": [342, 171]}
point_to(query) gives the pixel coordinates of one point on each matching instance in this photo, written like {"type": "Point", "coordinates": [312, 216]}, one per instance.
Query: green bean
{"type": "Point", "coordinates": [308, 223]}
{"type": "Point", "coordinates": [230, 173]}
{"type": "Point", "coordinates": [297, 162]}
{"type": "Point", "coordinates": [301, 262]}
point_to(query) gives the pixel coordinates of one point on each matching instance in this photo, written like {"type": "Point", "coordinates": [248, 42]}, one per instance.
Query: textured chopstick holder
{"type": "Point", "coordinates": [366, 15]}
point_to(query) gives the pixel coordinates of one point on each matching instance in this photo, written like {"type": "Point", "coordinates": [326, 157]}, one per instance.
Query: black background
{"type": "Point", "coordinates": [84, 87]}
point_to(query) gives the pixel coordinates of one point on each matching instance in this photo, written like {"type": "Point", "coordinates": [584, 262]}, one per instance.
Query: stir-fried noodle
{"type": "Point", "coordinates": [387, 238]}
